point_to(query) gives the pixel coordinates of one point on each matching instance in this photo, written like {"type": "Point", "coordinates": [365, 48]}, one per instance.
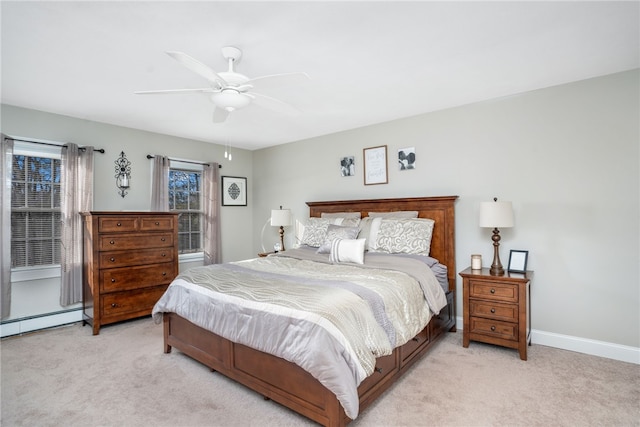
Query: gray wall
{"type": "Point", "coordinates": [566, 156]}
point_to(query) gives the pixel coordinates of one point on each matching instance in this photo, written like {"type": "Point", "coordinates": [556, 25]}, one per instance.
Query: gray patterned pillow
{"type": "Point", "coordinates": [404, 236]}
{"type": "Point", "coordinates": [337, 232]}
{"type": "Point", "coordinates": [315, 232]}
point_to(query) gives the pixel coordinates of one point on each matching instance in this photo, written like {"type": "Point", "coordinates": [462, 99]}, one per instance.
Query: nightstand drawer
{"type": "Point", "coordinates": [495, 328]}
{"type": "Point", "coordinates": [498, 311]}
{"type": "Point", "coordinates": [494, 291]}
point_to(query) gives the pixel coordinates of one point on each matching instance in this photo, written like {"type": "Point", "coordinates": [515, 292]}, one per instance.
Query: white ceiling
{"type": "Point", "coordinates": [369, 62]}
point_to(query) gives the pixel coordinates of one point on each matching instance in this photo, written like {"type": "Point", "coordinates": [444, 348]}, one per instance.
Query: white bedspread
{"type": "Point", "coordinates": [331, 320]}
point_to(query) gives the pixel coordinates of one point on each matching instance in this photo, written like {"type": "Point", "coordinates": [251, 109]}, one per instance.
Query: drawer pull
{"type": "Point", "coordinates": [493, 291]}
{"type": "Point", "coordinates": [111, 242]}
{"type": "Point", "coordinates": [493, 329]}
{"type": "Point", "coordinates": [493, 310]}
{"type": "Point", "coordinates": [163, 239]}
{"type": "Point", "coordinates": [164, 254]}
{"type": "Point", "coordinates": [119, 224]}
{"type": "Point", "coordinates": [416, 339]}
{"type": "Point", "coordinates": [112, 259]}
{"type": "Point", "coordinates": [114, 305]}
{"type": "Point", "coordinates": [157, 223]}
{"type": "Point", "coordinates": [164, 273]}
{"type": "Point", "coordinates": [378, 370]}
{"type": "Point", "coordinates": [113, 280]}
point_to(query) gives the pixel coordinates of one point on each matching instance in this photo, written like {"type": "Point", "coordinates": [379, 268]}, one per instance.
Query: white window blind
{"type": "Point", "coordinates": [185, 197]}
{"type": "Point", "coordinates": [35, 210]}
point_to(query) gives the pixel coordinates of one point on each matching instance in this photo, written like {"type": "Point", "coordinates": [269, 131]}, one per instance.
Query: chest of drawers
{"type": "Point", "coordinates": [129, 260]}
{"type": "Point", "coordinates": [497, 309]}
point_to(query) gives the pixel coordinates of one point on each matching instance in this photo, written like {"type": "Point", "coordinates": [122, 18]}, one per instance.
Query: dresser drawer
{"type": "Point", "coordinates": [119, 279]}
{"type": "Point", "coordinates": [133, 241]}
{"type": "Point", "coordinates": [113, 224]}
{"type": "Point", "coordinates": [125, 258]}
{"type": "Point", "coordinates": [498, 311]}
{"type": "Point", "coordinates": [160, 223]}
{"type": "Point", "coordinates": [129, 302]}
{"type": "Point", "coordinates": [493, 291]}
{"type": "Point", "coordinates": [495, 328]}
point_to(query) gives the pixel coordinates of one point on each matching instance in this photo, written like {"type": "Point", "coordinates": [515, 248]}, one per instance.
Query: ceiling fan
{"type": "Point", "coordinates": [230, 90]}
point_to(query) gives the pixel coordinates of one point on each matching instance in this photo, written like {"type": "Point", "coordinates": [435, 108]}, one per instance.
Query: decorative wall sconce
{"type": "Point", "coordinates": [123, 173]}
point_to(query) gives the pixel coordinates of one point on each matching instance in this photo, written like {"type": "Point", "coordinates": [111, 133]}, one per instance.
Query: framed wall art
{"type": "Point", "coordinates": [375, 165]}
{"type": "Point", "coordinates": [518, 261]}
{"type": "Point", "coordinates": [234, 191]}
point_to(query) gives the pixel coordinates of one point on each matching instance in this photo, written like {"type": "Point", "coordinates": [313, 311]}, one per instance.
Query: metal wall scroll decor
{"type": "Point", "coordinates": [123, 174]}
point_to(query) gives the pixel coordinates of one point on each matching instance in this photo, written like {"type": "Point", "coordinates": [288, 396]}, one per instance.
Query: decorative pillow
{"type": "Point", "coordinates": [395, 214]}
{"type": "Point", "coordinates": [340, 215]}
{"type": "Point", "coordinates": [337, 232]}
{"type": "Point", "coordinates": [315, 232]}
{"type": "Point", "coordinates": [408, 236]}
{"type": "Point", "coordinates": [346, 250]}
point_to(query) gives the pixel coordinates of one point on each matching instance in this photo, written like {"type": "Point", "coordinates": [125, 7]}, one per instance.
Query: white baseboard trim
{"type": "Point", "coordinates": [21, 326]}
{"type": "Point", "coordinates": [623, 353]}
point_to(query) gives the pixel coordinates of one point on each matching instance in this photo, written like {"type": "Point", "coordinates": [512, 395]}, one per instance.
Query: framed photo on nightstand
{"type": "Point", "coordinates": [518, 261]}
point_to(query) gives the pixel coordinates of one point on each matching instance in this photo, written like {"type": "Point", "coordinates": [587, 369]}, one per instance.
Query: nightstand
{"type": "Point", "coordinates": [497, 309]}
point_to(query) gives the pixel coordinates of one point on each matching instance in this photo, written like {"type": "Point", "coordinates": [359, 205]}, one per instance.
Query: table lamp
{"type": "Point", "coordinates": [493, 215]}
{"type": "Point", "coordinates": [281, 218]}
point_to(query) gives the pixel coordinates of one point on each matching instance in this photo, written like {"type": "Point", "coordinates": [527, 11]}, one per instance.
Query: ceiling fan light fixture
{"type": "Point", "coordinates": [230, 99]}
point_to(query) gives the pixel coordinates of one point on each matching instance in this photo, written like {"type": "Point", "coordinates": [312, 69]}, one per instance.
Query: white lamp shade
{"type": "Point", "coordinates": [280, 217]}
{"type": "Point", "coordinates": [496, 214]}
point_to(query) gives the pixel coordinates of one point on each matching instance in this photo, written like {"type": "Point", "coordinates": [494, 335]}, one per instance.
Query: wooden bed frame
{"type": "Point", "coordinates": [290, 385]}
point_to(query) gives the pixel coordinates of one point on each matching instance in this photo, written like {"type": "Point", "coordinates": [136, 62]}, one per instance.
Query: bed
{"type": "Point", "coordinates": [281, 380]}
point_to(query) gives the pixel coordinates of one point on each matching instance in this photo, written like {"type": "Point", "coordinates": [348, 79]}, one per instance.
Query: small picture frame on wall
{"type": "Point", "coordinates": [375, 165]}
{"type": "Point", "coordinates": [407, 158]}
{"type": "Point", "coordinates": [518, 261]}
{"type": "Point", "coordinates": [347, 166]}
{"type": "Point", "coordinates": [234, 191]}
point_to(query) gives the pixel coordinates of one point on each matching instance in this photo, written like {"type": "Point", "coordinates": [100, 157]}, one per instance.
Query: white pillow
{"type": "Point", "coordinates": [347, 250]}
{"type": "Point", "coordinates": [401, 236]}
{"type": "Point", "coordinates": [337, 232]}
{"type": "Point", "coordinates": [314, 231]}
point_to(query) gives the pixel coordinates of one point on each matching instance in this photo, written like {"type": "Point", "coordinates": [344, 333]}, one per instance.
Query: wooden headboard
{"type": "Point", "coordinates": [440, 209]}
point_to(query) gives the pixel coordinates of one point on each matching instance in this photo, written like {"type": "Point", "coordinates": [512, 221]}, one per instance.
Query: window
{"type": "Point", "coordinates": [35, 211]}
{"type": "Point", "coordinates": [185, 197]}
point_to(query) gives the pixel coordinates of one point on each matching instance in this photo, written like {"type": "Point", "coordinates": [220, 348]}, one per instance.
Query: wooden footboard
{"type": "Point", "coordinates": [287, 383]}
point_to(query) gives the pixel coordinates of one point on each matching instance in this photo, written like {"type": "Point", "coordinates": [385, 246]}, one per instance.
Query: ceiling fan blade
{"type": "Point", "coordinates": [278, 80]}
{"type": "Point", "coordinates": [273, 104]}
{"type": "Point", "coordinates": [220, 115]}
{"type": "Point", "coordinates": [173, 91]}
{"type": "Point", "coordinates": [198, 68]}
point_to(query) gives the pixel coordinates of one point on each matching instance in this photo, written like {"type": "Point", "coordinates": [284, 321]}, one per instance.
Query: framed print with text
{"type": "Point", "coordinates": [234, 191]}
{"type": "Point", "coordinates": [375, 165]}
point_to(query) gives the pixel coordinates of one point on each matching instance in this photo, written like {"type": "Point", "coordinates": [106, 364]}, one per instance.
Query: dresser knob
{"type": "Point", "coordinates": [164, 254]}
{"type": "Point", "coordinates": [111, 242]}
{"type": "Point", "coordinates": [119, 224]}
{"type": "Point", "coordinates": [493, 328]}
{"type": "Point", "coordinates": [112, 259]}
{"type": "Point", "coordinates": [157, 223]}
{"type": "Point", "coordinates": [114, 305]}
{"type": "Point", "coordinates": [493, 310]}
{"type": "Point", "coordinates": [163, 239]}
{"type": "Point", "coordinates": [493, 291]}
{"type": "Point", "coordinates": [164, 273]}
{"type": "Point", "coordinates": [113, 280]}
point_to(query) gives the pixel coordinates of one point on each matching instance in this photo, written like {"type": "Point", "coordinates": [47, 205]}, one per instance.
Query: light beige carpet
{"type": "Point", "coordinates": [68, 377]}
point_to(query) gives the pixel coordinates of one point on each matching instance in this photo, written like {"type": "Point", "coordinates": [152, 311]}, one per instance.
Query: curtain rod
{"type": "Point", "coordinates": [150, 156]}
{"type": "Point", "coordinates": [99, 150]}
